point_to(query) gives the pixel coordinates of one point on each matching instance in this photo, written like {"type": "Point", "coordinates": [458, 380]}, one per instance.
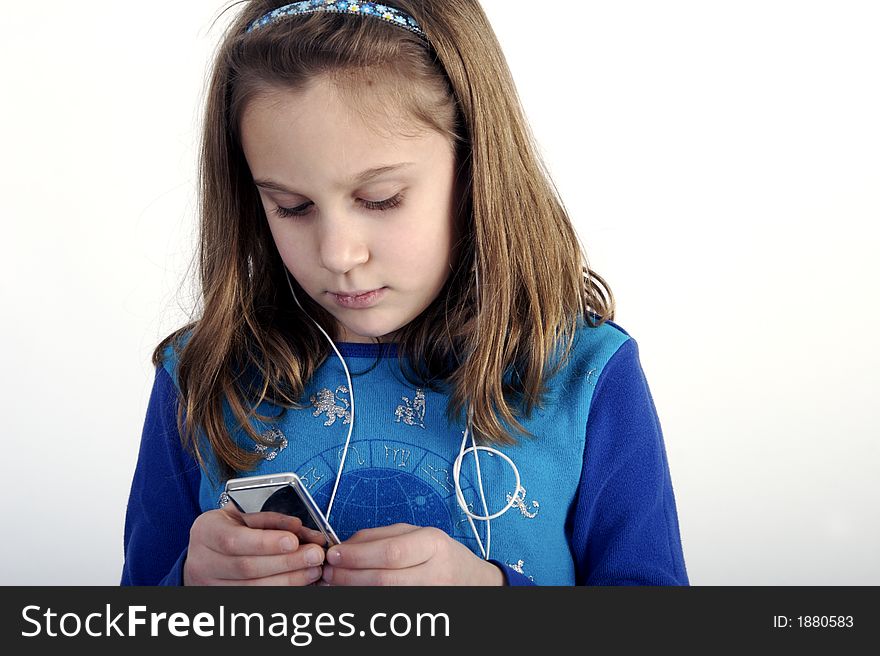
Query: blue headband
{"type": "Point", "coordinates": [374, 9]}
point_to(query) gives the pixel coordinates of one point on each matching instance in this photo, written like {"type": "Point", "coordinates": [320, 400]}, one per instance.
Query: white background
{"type": "Point", "coordinates": [719, 160]}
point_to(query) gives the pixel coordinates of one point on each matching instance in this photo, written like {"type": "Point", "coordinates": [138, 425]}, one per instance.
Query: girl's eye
{"type": "Point", "coordinates": [380, 206]}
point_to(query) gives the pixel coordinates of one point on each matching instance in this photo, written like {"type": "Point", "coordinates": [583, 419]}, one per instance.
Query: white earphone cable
{"type": "Point", "coordinates": [351, 395]}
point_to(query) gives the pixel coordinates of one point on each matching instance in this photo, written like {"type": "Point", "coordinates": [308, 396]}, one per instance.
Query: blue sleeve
{"type": "Point", "coordinates": [624, 529]}
{"type": "Point", "coordinates": [164, 499]}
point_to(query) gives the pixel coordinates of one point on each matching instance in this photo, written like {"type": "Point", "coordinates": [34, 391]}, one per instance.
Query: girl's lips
{"type": "Point", "coordinates": [360, 301]}
{"type": "Point", "coordinates": [359, 292]}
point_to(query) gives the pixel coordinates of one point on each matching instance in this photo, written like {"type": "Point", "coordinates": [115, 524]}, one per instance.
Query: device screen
{"type": "Point", "coordinates": [287, 502]}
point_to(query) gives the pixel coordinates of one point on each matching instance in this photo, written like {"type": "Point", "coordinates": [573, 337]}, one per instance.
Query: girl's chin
{"type": "Point", "coordinates": [367, 337]}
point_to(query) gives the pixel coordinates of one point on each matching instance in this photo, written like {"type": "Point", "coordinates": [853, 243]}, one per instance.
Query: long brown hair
{"type": "Point", "coordinates": [487, 345]}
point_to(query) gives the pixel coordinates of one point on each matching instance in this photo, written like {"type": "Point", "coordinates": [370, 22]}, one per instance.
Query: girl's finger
{"type": "Point", "coordinates": [272, 520]}
{"type": "Point", "coordinates": [298, 577]}
{"type": "Point", "coordinates": [245, 541]}
{"type": "Point", "coordinates": [370, 534]}
{"type": "Point", "coordinates": [396, 551]}
{"type": "Point", "coordinates": [311, 536]}
{"type": "Point", "coordinates": [244, 568]}
{"type": "Point", "coordinates": [385, 577]}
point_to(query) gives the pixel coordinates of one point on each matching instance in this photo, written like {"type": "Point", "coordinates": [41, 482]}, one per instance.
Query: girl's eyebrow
{"type": "Point", "coordinates": [360, 178]}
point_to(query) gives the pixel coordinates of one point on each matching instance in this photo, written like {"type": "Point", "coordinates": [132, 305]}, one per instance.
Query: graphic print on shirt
{"type": "Point", "coordinates": [413, 413]}
{"type": "Point", "coordinates": [278, 444]}
{"type": "Point", "coordinates": [519, 568]}
{"type": "Point", "coordinates": [520, 503]}
{"type": "Point", "coordinates": [387, 482]}
{"type": "Point", "coordinates": [325, 401]}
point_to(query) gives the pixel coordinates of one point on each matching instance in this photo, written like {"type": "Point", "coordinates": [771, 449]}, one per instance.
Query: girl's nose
{"type": "Point", "coordinates": [341, 245]}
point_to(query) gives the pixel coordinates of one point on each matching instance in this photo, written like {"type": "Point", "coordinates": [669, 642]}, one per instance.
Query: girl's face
{"type": "Point", "coordinates": [350, 210]}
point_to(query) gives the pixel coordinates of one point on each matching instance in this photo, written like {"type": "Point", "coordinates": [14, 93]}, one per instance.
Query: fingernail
{"type": "Point", "coordinates": [314, 557]}
{"type": "Point", "coordinates": [328, 574]}
{"type": "Point", "coordinates": [334, 556]}
{"type": "Point", "coordinates": [287, 544]}
{"type": "Point", "coordinates": [314, 573]}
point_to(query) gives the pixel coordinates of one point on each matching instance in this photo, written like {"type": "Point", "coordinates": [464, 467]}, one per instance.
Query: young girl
{"type": "Point", "coordinates": [397, 308]}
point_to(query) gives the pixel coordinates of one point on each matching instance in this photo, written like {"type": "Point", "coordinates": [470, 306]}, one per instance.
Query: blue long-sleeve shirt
{"type": "Point", "coordinates": [595, 506]}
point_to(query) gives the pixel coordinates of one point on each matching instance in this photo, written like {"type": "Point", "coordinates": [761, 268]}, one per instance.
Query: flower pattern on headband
{"type": "Point", "coordinates": [382, 12]}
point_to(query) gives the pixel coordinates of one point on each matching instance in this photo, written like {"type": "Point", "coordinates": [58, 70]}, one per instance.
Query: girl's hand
{"type": "Point", "coordinates": [227, 547]}
{"type": "Point", "coordinates": [402, 554]}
